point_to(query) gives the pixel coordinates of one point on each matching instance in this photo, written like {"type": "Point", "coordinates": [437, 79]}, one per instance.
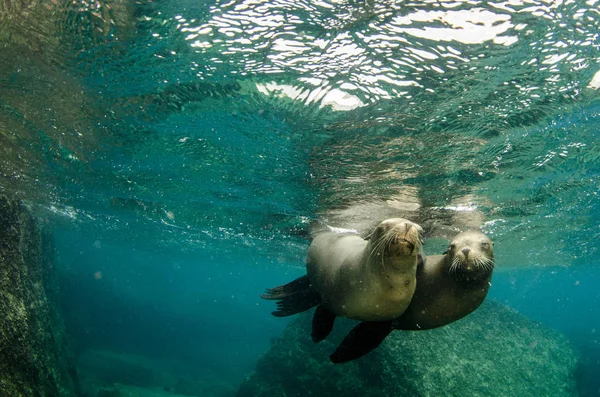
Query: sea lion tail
{"type": "Point", "coordinates": [294, 297]}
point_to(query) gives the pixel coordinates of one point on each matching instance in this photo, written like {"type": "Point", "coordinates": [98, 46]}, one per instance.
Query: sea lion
{"type": "Point", "coordinates": [449, 287]}
{"type": "Point", "coordinates": [370, 279]}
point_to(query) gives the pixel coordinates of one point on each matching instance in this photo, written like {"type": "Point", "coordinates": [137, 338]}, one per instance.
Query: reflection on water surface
{"type": "Point", "coordinates": [241, 121]}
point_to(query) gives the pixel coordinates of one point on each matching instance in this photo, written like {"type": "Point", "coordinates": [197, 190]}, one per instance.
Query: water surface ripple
{"type": "Point", "coordinates": [231, 125]}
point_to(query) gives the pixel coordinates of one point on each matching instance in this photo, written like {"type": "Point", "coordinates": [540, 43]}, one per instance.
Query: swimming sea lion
{"type": "Point", "coordinates": [371, 279]}
{"type": "Point", "coordinates": [449, 287]}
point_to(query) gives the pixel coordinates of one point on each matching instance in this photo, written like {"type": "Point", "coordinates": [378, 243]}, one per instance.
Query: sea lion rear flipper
{"type": "Point", "coordinates": [298, 285]}
{"type": "Point", "coordinates": [363, 338]}
{"type": "Point", "coordinates": [294, 297]}
{"type": "Point", "coordinates": [322, 323]}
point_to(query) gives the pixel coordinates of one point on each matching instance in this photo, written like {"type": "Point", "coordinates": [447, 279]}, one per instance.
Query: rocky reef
{"type": "Point", "coordinates": [493, 352]}
{"type": "Point", "coordinates": [34, 359]}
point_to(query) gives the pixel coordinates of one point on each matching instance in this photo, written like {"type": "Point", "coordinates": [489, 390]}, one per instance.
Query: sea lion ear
{"type": "Point", "coordinates": [420, 261]}
{"type": "Point", "coordinates": [451, 247]}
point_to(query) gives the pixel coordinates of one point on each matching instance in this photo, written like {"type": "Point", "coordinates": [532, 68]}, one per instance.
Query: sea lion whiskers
{"type": "Point", "coordinates": [490, 263]}
{"type": "Point", "coordinates": [485, 263]}
{"type": "Point", "coordinates": [382, 241]}
{"type": "Point", "coordinates": [481, 262]}
{"type": "Point", "coordinates": [456, 262]}
{"type": "Point", "coordinates": [385, 242]}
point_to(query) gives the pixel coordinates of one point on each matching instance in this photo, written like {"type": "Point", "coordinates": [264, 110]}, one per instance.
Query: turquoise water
{"type": "Point", "coordinates": [180, 150]}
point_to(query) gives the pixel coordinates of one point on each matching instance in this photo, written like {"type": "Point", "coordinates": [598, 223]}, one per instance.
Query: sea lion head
{"type": "Point", "coordinates": [396, 241]}
{"type": "Point", "coordinates": [470, 254]}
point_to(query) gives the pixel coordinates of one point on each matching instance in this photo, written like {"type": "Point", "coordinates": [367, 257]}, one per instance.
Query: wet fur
{"type": "Point", "coordinates": [366, 279]}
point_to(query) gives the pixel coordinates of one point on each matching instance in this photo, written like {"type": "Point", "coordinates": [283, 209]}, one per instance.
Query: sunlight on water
{"type": "Point", "coordinates": [242, 121]}
{"type": "Point", "coordinates": [378, 51]}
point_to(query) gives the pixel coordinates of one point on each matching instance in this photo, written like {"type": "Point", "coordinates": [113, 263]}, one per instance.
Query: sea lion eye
{"type": "Point", "coordinates": [485, 245]}
{"type": "Point", "coordinates": [451, 247]}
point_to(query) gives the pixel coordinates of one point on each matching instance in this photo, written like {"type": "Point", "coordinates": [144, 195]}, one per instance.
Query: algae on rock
{"type": "Point", "coordinates": [34, 359]}
{"type": "Point", "coordinates": [495, 351]}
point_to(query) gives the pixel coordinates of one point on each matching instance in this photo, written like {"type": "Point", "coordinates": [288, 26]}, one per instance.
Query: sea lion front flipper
{"type": "Point", "coordinates": [322, 323]}
{"type": "Point", "coordinates": [363, 338]}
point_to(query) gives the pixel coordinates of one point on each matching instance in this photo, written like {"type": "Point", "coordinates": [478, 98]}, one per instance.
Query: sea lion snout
{"type": "Point", "coordinates": [410, 232]}
{"type": "Point", "coordinates": [397, 235]}
{"type": "Point", "coordinates": [405, 247]}
{"type": "Point", "coordinates": [407, 237]}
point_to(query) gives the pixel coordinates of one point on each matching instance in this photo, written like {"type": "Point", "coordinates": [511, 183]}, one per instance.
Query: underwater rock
{"type": "Point", "coordinates": [495, 351]}
{"type": "Point", "coordinates": [34, 359]}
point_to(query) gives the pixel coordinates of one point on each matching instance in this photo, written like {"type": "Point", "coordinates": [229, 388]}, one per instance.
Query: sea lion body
{"type": "Point", "coordinates": [449, 287]}
{"type": "Point", "coordinates": [366, 280]}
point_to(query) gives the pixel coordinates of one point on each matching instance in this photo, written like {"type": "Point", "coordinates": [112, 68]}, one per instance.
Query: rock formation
{"type": "Point", "coordinates": [34, 358]}
{"type": "Point", "coordinates": [495, 351]}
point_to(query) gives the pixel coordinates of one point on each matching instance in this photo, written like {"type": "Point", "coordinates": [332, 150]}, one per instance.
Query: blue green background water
{"type": "Point", "coordinates": [180, 150]}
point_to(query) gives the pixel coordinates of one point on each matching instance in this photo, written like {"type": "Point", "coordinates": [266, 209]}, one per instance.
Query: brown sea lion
{"type": "Point", "coordinates": [449, 287]}
{"type": "Point", "coordinates": [370, 279]}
